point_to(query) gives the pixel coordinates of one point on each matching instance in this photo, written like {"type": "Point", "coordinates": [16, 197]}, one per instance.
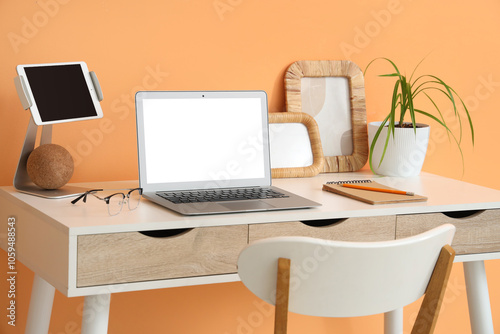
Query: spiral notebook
{"type": "Point", "coordinates": [368, 196]}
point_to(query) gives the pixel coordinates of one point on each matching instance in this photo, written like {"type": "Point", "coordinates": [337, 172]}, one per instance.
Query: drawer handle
{"type": "Point", "coordinates": [323, 222]}
{"type": "Point", "coordinates": [462, 214]}
{"type": "Point", "coordinates": [165, 233]}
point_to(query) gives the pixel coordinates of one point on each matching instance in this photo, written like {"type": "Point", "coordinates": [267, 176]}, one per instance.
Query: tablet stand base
{"type": "Point", "coordinates": [23, 183]}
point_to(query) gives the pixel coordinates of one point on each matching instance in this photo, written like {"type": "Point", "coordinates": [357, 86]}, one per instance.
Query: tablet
{"type": "Point", "coordinates": [60, 92]}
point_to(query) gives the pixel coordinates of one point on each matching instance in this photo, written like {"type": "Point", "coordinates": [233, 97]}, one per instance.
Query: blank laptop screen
{"type": "Point", "coordinates": [198, 139]}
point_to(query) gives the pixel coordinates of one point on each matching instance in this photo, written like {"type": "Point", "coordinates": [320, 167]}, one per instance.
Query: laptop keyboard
{"type": "Point", "coordinates": [219, 195]}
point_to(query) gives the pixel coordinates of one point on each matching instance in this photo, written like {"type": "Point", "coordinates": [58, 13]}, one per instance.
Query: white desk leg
{"type": "Point", "coordinates": [393, 322]}
{"type": "Point", "coordinates": [478, 298]}
{"type": "Point", "coordinates": [96, 314]}
{"type": "Point", "coordinates": [40, 309]}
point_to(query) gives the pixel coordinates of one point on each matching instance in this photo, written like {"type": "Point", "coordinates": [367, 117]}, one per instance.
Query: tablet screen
{"type": "Point", "coordinates": [60, 92]}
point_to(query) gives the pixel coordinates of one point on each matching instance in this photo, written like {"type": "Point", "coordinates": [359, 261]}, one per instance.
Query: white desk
{"type": "Point", "coordinates": [81, 251]}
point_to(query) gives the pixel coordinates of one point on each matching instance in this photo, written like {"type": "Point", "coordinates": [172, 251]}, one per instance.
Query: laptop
{"type": "Point", "coordinates": [208, 152]}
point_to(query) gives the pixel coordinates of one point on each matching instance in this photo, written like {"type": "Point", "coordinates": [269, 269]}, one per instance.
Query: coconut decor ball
{"type": "Point", "coordinates": [50, 166]}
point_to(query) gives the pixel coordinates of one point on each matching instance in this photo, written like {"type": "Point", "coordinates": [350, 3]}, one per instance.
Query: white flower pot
{"type": "Point", "coordinates": [405, 151]}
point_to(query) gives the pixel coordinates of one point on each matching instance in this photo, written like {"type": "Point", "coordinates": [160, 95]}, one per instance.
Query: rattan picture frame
{"type": "Point", "coordinates": [357, 107]}
{"type": "Point", "coordinates": [315, 141]}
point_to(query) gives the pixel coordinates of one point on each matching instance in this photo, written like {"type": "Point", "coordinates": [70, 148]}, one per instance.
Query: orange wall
{"type": "Point", "coordinates": [242, 44]}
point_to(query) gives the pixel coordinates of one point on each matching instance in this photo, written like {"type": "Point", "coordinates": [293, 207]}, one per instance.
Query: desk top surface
{"type": "Point", "coordinates": [443, 194]}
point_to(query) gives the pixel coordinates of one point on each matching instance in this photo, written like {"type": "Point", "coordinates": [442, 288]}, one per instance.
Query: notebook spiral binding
{"type": "Point", "coordinates": [349, 181]}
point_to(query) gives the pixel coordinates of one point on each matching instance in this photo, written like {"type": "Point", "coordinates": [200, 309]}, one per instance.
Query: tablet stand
{"type": "Point", "coordinates": [22, 181]}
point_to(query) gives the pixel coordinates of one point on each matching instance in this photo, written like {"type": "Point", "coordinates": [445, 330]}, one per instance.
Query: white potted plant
{"type": "Point", "coordinates": [398, 144]}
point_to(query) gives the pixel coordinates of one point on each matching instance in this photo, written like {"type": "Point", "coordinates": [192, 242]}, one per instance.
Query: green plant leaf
{"type": "Point", "coordinates": [411, 108]}
{"type": "Point", "coordinates": [404, 100]}
{"type": "Point", "coordinates": [448, 89]}
{"type": "Point", "coordinates": [374, 141]}
{"type": "Point", "coordinates": [382, 58]}
{"type": "Point", "coordinates": [449, 131]}
{"type": "Point", "coordinates": [439, 111]}
{"type": "Point", "coordinates": [389, 75]}
{"type": "Point", "coordinates": [394, 105]}
{"type": "Point", "coordinates": [455, 111]}
{"type": "Point", "coordinates": [468, 116]}
{"type": "Point", "coordinates": [416, 91]}
{"type": "Point", "coordinates": [415, 69]}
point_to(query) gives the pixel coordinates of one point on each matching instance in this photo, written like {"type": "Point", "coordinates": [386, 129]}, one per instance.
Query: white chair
{"type": "Point", "coordinates": [346, 279]}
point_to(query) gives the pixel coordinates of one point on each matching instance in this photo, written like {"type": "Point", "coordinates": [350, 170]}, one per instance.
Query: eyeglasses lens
{"type": "Point", "coordinates": [115, 204]}
{"type": "Point", "coordinates": [134, 198]}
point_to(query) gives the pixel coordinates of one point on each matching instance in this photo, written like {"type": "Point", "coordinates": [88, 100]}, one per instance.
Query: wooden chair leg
{"type": "Point", "coordinates": [428, 313]}
{"type": "Point", "coordinates": [282, 293]}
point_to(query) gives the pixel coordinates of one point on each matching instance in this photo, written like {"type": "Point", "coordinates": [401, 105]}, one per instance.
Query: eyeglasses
{"type": "Point", "coordinates": [115, 202]}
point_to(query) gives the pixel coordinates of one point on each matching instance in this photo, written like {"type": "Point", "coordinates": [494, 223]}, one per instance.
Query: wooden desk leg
{"type": "Point", "coordinates": [96, 314]}
{"type": "Point", "coordinates": [393, 322]}
{"type": "Point", "coordinates": [40, 309]}
{"type": "Point", "coordinates": [478, 298]}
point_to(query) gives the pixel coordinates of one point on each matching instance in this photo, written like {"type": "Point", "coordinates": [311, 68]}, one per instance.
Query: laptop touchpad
{"type": "Point", "coordinates": [247, 205]}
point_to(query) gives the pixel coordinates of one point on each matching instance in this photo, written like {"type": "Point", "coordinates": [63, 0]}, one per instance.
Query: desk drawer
{"type": "Point", "coordinates": [133, 257]}
{"type": "Point", "coordinates": [350, 229]}
{"type": "Point", "coordinates": [477, 232]}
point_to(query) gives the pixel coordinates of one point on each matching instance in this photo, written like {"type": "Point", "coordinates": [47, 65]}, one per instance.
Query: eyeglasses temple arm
{"type": "Point", "coordinates": [84, 196]}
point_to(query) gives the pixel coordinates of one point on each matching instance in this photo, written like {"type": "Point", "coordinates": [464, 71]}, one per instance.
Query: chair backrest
{"type": "Point", "coordinates": [345, 279]}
